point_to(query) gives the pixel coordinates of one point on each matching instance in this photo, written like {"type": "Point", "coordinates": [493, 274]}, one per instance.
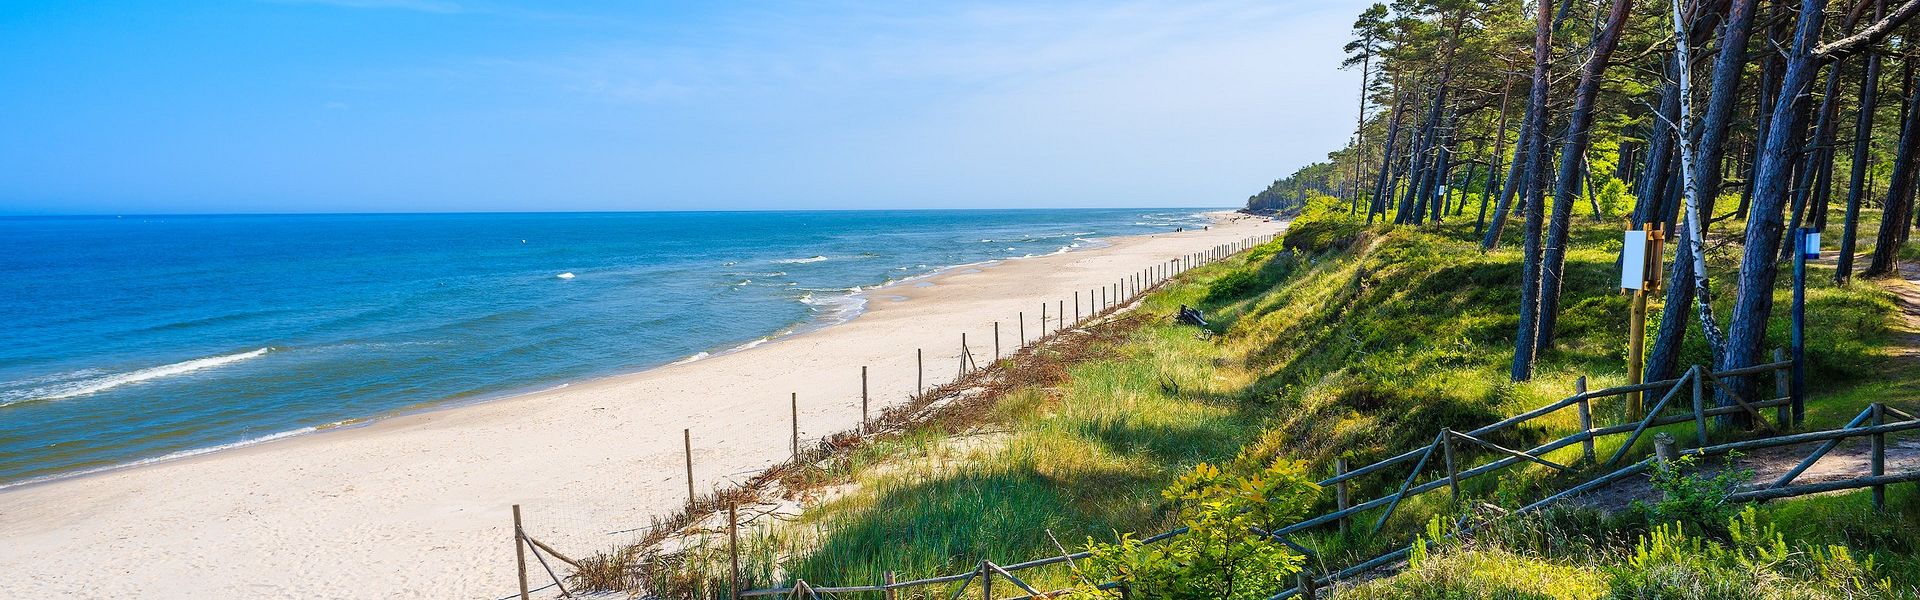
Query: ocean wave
{"type": "Point", "coordinates": [76, 384]}
{"type": "Point", "coordinates": [694, 357]}
{"type": "Point", "coordinates": [799, 261]}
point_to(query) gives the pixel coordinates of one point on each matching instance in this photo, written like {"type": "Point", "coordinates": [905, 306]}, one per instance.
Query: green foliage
{"type": "Point", "coordinates": [1612, 197]}
{"type": "Point", "coordinates": [1755, 562]}
{"type": "Point", "coordinates": [1324, 225]}
{"type": "Point", "coordinates": [1233, 286]}
{"type": "Point", "coordinates": [1221, 556]}
{"type": "Point", "coordinates": [1691, 498]}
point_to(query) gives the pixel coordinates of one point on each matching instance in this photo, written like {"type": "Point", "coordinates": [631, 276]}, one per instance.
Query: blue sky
{"type": "Point", "coordinates": [483, 105]}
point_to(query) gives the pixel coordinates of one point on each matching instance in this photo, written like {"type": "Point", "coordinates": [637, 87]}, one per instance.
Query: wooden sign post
{"type": "Point", "coordinates": [1640, 276]}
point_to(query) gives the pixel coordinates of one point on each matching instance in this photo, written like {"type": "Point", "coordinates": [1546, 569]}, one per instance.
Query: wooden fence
{"type": "Point", "coordinates": [1448, 444]}
{"type": "Point", "coordinates": [1097, 302]}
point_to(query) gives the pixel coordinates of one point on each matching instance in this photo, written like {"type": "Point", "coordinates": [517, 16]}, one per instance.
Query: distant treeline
{"type": "Point", "coordinates": [1288, 195]}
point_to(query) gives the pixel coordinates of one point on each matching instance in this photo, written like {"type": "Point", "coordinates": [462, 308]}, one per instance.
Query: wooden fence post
{"type": "Point", "coordinates": [1043, 319]}
{"type": "Point", "coordinates": [796, 426]}
{"type": "Point", "coordinates": [1879, 456]}
{"type": "Point", "coordinates": [964, 355]}
{"type": "Point", "coordinates": [1076, 307]}
{"type": "Point", "coordinates": [919, 371]}
{"type": "Point", "coordinates": [733, 547]}
{"type": "Point", "coordinates": [891, 594]}
{"type": "Point", "coordinates": [1663, 448]}
{"type": "Point", "coordinates": [986, 582]}
{"type": "Point", "coordinates": [1783, 388]}
{"type": "Point", "coordinates": [1586, 418]}
{"type": "Point", "coordinates": [686, 435]}
{"type": "Point", "coordinates": [1699, 405]}
{"type": "Point", "coordinates": [520, 552]}
{"type": "Point", "coordinates": [996, 340]}
{"type": "Point", "coordinates": [1453, 475]}
{"type": "Point", "coordinates": [863, 400]}
{"type": "Point", "coordinates": [1023, 328]}
{"type": "Point", "coordinates": [1340, 490]}
{"type": "Point", "coordinates": [1304, 583]}
{"type": "Point", "coordinates": [1062, 321]}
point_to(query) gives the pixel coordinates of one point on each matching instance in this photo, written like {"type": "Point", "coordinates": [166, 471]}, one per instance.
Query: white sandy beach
{"type": "Point", "coordinates": [417, 506]}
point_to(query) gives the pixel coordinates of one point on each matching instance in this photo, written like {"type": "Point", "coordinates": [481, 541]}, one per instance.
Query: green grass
{"type": "Point", "coordinates": [1340, 340]}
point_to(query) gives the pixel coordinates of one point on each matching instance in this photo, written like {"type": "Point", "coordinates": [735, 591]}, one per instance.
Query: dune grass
{"type": "Point", "coordinates": [1340, 340]}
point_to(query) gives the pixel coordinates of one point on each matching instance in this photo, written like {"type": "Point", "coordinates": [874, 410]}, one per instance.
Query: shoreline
{"type": "Point", "coordinates": [438, 480]}
{"type": "Point", "coordinates": [820, 322]}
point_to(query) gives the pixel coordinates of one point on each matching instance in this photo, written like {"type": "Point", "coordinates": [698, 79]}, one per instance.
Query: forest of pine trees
{"type": "Point", "coordinates": [1738, 118]}
{"type": "Point", "coordinates": [1289, 195]}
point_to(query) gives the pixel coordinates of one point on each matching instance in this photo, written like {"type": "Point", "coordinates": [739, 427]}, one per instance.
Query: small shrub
{"type": "Point", "coordinates": [1233, 286]}
{"type": "Point", "coordinates": [1220, 557]}
{"type": "Point", "coordinates": [1691, 499]}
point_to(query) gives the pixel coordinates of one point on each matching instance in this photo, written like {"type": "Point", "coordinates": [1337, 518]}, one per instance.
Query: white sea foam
{"type": "Point", "coordinates": [800, 261]}
{"type": "Point", "coordinates": [77, 385]}
{"type": "Point", "coordinates": [567, 275]}
{"type": "Point", "coordinates": [694, 357]}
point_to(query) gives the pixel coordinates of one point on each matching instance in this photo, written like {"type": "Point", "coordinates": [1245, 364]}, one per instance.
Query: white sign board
{"type": "Point", "coordinates": [1633, 261]}
{"type": "Point", "coordinates": [1811, 248]}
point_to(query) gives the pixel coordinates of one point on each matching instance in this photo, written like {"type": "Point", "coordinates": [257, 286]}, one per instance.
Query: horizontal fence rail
{"type": "Point", "coordinates": [1697, 379]}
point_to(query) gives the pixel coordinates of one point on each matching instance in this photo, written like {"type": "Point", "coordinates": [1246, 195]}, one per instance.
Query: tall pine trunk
{"type": "Point", "coordinates": [1579, 133]}
{"type": "Point", "coordinates": [1753, 302]}
{"type": "Point", "coordinates": [1862, 144]}
{"type": "Point", "coordinates": [1537, 158]}
{"type": "Point", "coordinates": [1897, 211]}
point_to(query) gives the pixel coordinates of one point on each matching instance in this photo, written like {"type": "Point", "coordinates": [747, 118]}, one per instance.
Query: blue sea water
{"type": "Point", "coordinates": [136, 338]}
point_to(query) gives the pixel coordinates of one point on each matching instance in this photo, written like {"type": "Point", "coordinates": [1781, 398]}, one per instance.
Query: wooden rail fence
{"type": "Point", "coordinates": [1446, 443]}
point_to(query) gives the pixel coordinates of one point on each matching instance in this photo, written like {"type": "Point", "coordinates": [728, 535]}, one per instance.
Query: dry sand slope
{"type": "Point", "coordinates": [417, 506]}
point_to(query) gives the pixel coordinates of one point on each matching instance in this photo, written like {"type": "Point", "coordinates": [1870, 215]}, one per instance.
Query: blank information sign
{"type": "Point", "coordinates": [1633, 260]}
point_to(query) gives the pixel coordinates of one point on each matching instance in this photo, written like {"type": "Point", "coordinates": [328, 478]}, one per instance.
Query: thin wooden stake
{"type": "Point", "coordinates": [687, 436]}
{"type": "Point", "coordinates": [796, 425]}
{"type": "Point", "coordinates": [996, 341]}
{"type": "Point", "coordinates": [733, 547]}
{"type": "Point", "coordinates": [1076, 307]}
{"type": "Point", "coordinates": [863, 400]}
{"type": "Point", "coordinates": [1782, 388]}
{"type": "Point", "coordinates": [1340, 490]}
{"type": "Point", "coordinates": [1453, 475]}
{"type": "Point", "coordinates": [1699, 406]}
{"type": "Point", "coordinates": [891, 594]}
{"type": "Point", "coordinates": [1586, 418]}
{"type": "Point", "coordinates": [520, 552]}
{"type": "Point", "coordinates": [919, 371]}
{"type": "Point", "coordinates": [1879, 456]}
{"type": "Point", "coordinates": [1023, 328]}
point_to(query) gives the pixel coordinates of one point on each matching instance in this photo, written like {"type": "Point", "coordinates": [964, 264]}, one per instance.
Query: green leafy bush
{"type": "Point", "coordinates": [1233, 286]}
{"type": "Point", "coordinates": [1755, 562]}
{"type": "Point", "coordinates": [1691, 498]}
{"type": "Point", "coordinates": [1220, 557]}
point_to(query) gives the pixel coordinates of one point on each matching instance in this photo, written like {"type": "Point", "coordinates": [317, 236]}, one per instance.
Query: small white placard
{"type": "Point", "coordinates": [1633, 261]}
{"type": "Point", "coordinates": [1812, 247]}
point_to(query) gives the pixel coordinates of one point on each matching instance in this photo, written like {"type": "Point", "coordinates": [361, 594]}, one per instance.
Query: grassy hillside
{"type": "Point", "coordinates": [1338, 340]}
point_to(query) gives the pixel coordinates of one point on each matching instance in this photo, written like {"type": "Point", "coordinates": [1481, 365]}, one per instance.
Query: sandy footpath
{"type": "Point", "coordinates": [417, 506]}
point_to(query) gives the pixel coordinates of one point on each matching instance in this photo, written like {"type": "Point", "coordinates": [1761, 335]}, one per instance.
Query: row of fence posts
{"type": "Point", "coordinates": [1695, 379]}
{"type": "Point", "coordinates": [1123, 290]}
